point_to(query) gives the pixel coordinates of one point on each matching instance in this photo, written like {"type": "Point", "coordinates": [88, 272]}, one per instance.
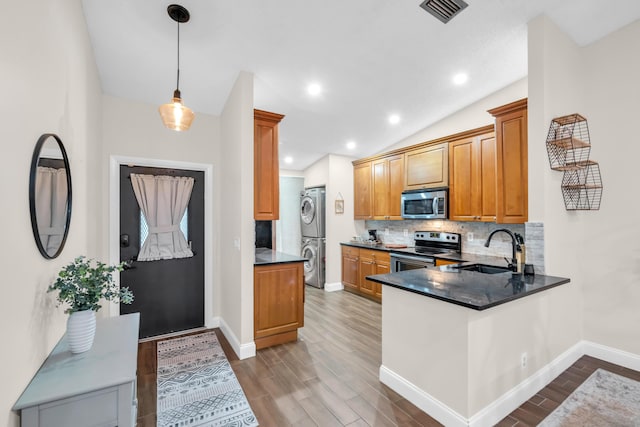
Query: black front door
{"type": "Point", "coordinates": [168, 294]}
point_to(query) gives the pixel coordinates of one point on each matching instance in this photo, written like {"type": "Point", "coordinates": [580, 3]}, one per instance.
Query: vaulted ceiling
{"type": "Point", "coordinates": [371, 58]}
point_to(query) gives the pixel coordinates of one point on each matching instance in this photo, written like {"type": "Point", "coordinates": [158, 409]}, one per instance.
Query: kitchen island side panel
{"type": "Point", "coordinates": [425, 341]}
{"type": "Point", "coordinates": [540, 326]}
{"type": "Point", "coordinates": [467, 359]}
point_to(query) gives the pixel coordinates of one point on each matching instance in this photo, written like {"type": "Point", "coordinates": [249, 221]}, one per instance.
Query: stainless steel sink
{"type": "Point", "coordinates": [484, 268]}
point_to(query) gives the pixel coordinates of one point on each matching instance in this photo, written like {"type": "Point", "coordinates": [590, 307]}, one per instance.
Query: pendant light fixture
{"type": "Point", "coordinates": [175, 115]}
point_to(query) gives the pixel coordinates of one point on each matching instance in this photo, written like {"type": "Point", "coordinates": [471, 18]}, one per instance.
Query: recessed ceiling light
{"type": "Point", "coordinates": [394, 119]}
{"type": "Point", "coordinates": [460, 78]}
{"type": "Point", "coordinates": [351, 145]}
{"type": "Point", "coordinates": [314, 89]}
{"type": "Point", "coordinates": [288, 160]}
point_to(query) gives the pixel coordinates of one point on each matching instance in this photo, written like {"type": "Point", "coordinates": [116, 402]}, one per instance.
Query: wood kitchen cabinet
{"type": "Point", "coordinates": [363, 191]}
{"type": "Point", "coordinates": [358, 263]}
{"type": "Point", "coordinates": [266, 175]}
{"type": "Point", "coordinates": [350, 258]}
{"type": "Point", "coordinates": [427, 167]}
{"type": "Point", "coordinates": [473, 181]}
{"type": "Point", "coordinates": [388, 184]}
{"type": "Point", "coordinates": [512, 204]}
{"type": "Point", "coordinates": [278, 303]}
{"type": "Point", "coordinates": [366, 267]}
{"type": "Point", "coordinates": [383, 266]}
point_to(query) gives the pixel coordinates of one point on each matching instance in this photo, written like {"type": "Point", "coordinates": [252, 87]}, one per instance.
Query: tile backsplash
{"type": "Point", "coordinates": [473, 234]}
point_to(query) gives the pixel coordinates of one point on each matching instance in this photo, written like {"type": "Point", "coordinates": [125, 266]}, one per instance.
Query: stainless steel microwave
{"type": "Point", "coordinates": [425, 204]}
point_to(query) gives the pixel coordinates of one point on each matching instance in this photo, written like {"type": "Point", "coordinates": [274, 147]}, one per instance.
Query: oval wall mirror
{"type": "Point", "coordinates": [50, 195]}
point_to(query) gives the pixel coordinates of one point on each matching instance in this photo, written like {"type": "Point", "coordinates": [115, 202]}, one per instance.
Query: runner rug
{"type": "Point", "coordinates": [604, 399]}
{"type": "Point", "coordinates": [197, 387]}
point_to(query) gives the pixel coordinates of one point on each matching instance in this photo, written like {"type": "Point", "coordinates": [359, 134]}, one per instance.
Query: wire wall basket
{"type": "Point", "coordinates": [569, 148]}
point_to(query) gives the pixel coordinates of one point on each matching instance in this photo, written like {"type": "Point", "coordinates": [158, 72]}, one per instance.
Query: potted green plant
{"type": "Point", "coordinates": [82, 284]}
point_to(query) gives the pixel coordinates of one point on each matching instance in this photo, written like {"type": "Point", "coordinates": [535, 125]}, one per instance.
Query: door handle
{"type": "Point", "coordinates": [128, 264]}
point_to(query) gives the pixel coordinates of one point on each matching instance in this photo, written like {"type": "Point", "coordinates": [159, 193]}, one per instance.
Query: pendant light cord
{"type": "Point", "coordinates": [178, 74]}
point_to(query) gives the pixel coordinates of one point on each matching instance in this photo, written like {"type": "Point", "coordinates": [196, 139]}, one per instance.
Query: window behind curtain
{"type": "Point", "coordinates": [144, 228]}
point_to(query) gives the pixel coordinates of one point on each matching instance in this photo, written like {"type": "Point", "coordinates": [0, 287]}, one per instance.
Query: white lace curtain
{"type": "Point", "coordinates": [163, 201]}
{"type": "Point", "coordinates": [51, 206]}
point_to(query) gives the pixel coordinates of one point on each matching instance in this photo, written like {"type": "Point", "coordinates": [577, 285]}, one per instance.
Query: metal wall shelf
{"type": "Point", "coordinates": [569, 148]}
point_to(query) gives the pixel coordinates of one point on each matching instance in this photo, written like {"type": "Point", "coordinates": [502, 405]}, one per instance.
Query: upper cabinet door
{"type": "Point", "coordinates": [363, 191]}
{"type": "Point", "coordinates": [512, 199]}
{"type": "Point", "coordinates": [427, 167]}
{"type": "Point", "coordinates": [464, 184]}
{"type": "Point", "coordinates": [472, 183]}
{"type": "Point", "coordinates": [388, 184]}
{"type": "Point", "coordinates": [396, 186]}
{"type": "Point", "coordinates": [266, 174]}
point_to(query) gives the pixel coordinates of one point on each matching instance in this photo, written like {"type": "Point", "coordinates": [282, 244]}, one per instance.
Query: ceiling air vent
{"type": "Point", "coordinates": [444, 10]}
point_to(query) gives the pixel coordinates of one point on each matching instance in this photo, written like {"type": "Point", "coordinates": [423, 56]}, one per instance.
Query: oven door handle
{"type": "Point", "coordinates": [413, 258]}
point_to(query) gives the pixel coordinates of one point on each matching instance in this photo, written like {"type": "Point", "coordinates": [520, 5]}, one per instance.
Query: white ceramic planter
{"type": "Point", "coordinates": [81, 329]}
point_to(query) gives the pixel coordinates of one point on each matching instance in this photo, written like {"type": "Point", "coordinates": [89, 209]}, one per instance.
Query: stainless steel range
{"type": "Point", "coordinates": [427, 244]}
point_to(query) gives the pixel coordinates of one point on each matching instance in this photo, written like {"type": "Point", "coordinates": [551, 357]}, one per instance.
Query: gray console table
{"type": "Point", "coordinates": [94, 388]}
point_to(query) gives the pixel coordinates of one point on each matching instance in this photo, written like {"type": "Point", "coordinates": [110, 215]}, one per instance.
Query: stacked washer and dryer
{"type": "Point", "coordinates": [312, 220]}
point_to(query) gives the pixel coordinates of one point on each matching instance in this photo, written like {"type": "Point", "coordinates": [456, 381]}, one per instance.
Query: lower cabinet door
{"type": "Point", "coordinates": [278, 298]}
{"type": "Point", "coordinates": [350, 268]}
{"type": "Point", "coordinates": [367, 268]}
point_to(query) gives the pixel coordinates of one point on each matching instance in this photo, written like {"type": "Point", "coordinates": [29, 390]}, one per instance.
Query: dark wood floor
{"type": "Point", "coordinates": [330, 376]}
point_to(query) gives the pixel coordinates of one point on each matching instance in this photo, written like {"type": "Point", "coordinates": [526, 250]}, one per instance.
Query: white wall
{"type": "Point", "coordinates": [50, 85]}
{"type": "Point", "coordinates": [336, 173]}
{"type": "Point", "coordinates": [599, 250]}
{"type": "Point", "coordinates": [237, 233]}
{"type": "Point", "coordinates": [473, 116]}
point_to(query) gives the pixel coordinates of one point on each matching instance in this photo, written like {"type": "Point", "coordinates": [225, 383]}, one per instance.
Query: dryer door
{"type": "Point", "coordinates": [310, 252]}
{"type": "Point", "coordinates": [307, 210]}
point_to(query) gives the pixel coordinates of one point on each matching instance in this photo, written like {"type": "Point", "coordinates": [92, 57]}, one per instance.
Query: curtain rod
{"type": "Point", "coordinates": [129, 176]}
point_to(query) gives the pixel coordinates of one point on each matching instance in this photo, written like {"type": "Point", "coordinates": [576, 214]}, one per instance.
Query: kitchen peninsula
{"type": "Point", "coordinates": [460, 344]}
{"type": "Point", "coordinates": [278, 295]}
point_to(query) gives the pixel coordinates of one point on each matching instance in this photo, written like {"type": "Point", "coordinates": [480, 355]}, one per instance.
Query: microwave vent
{"type": "Point", "coordinates": [444, 10]}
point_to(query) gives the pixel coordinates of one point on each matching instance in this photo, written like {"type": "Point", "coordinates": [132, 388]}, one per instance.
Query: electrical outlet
{"type": "Point", "coordinates": [523, 360]}
{"type": "Point", "coordinates": [386, 231]}
{"type": "Point", "coordinates": [405, 232]}
{"type": "Point", "coordinates": [469, 237]}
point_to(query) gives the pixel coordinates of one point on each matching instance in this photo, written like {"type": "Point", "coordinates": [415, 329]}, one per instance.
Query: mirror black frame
{"type": "Point", "coordinates": [32, 193]}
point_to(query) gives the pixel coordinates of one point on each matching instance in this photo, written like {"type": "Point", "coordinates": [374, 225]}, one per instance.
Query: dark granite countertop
{"type": "Point", "coordinates": [265, 256]}
{"type": "Point", "coordinates": [451, 256]}
{"type": "Point", "coordinates": [470, 289]}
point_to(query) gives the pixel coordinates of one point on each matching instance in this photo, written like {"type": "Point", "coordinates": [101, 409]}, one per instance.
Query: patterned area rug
{"type": "Point", "coordinates": [604, 399]}
{"type": "Point", "coordinates": [197, 387]}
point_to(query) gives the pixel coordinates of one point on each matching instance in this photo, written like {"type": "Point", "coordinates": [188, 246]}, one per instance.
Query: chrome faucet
{"type": "Point", "coordinates": [515, 246]}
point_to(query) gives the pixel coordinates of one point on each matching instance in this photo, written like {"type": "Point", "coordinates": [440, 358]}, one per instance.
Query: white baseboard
{"type": "Point", "coordinates": [612, 355]}
{"type": "Point", "coordinates": [213, 322]}
{"type": "Point", "coordinates": [512, 399]}
{"type": "Point", "coordinates": [505, 404]}
{"type": "Point", "coordinates": [332, 287]}
{"type": "Point", "coordinates": [421, 399]}
{"type": "Point", "coordinates": [243, 351]}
